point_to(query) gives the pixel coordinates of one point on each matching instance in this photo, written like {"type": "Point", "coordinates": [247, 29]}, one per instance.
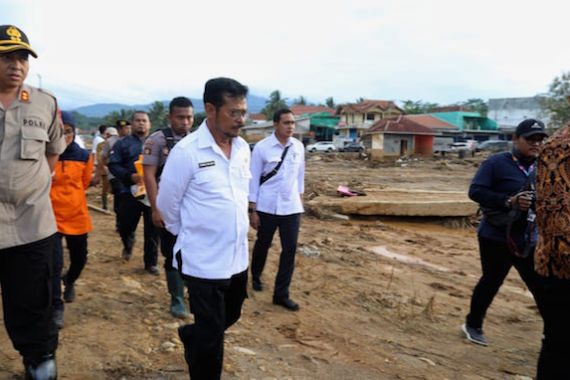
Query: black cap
{"type": "Point", "coordinates": [530, 127]}
{"type": "Point", "coordinates": [13, 39]}
{"type": "Point", "coordinates": [121, 123]}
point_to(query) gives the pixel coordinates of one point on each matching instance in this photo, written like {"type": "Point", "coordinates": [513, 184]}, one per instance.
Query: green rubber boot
{"type": "Point", "coordinates": [176, 290]}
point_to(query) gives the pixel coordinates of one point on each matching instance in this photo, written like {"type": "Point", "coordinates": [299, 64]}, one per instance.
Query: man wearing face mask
{"type": "Point", "coordinates": [155, 152]}
{"type": "Point", "coordinates": [504, 188]}
{"type": "Point", "coordinates": [122, 165]}
{"type": "Point", "coordinates": [31, 139]}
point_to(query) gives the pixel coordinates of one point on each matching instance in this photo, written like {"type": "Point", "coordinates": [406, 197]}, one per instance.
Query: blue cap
{"type": "Point", "coordinates": [67, 118]}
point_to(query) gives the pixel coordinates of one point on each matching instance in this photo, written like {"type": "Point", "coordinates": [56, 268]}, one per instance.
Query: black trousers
{"type": "Point", "coordinates": [77, 246]}
{"type": "Point", "coordinates": [116, 189]}
{"type": "Point", "coordinates": [167, 241]}
{"type": "Point", "coordinates": [289, 234]}
{"type": "Point", "coordinates": [130, 211]}
{"type": "Point", "coordinates": [553, 300]}
{"type": "Point", "coordinates": [216, 305]}
{"type": "Point", "coordinates": [26, 279]}
{"type": "Point", "coordinates": [496, 261]}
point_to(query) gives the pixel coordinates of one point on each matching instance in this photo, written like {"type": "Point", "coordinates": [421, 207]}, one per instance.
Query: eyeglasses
{"type": "Point", "coordinates": [68, 132]}
{"type": "Point", "coordinates": [238, 114]}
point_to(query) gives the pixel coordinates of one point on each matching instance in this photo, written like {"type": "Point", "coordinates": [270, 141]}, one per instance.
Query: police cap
{"type": "Point", "coordinates": [13, 39]}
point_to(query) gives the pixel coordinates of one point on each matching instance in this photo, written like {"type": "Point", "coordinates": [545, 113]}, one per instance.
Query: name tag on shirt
{"type": "Point", "coordinates": [206, 164]}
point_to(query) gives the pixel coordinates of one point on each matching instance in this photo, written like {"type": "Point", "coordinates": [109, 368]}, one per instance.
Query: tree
{"type": "Point", "coordinates": [157, 115]}
{"type": "Point", "coordinates": [555, 102]}
{"type": "Point", "coordinates": [198, 119]}
{"type": "Point", "coordinates": [412, 107]}
{"type": "Point", "coordinates": [112, 117]}
{"type": "Point", "coordinates": [477, 105]}
{"type": "Point", "coordinates": [330, 102]}
{"type": "Point", "coordinates": [301, 101]}
{"type": "Point", "coordinates": [274, 103]}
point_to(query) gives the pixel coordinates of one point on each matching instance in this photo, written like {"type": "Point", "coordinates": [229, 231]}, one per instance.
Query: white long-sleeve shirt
{"type": "Point", "coordinates": [203, 200]}
{"type": "Point", "coordinates": [280, 195]}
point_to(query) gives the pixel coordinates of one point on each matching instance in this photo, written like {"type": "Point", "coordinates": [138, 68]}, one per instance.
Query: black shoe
{"type": "Point", "coordinates": [68, 291]}
{"type": "Point", "coordinates": [185, 334]}
{"type": "Point", "coordinates": [474, 335]}
{"type": "Point", "coordinates": [46, 369]}
{"type": "Point", "coordinates": [257, 285]}
{"type": "Point", "coordinates": [57, 317]}
{"type": "Point", "coordinates": [287, 303]}
{"type": "Point", "coordinates": [126, 255]}
{"type": "Point", "coordinates": [153, 269]}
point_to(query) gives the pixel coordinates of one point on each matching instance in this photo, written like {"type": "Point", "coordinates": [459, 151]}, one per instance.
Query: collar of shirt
{"type": "Point", "coordinates": [179, 135]}
{"type": "Point", "coordinates": [206, 140]}
{"type": "Point", "coordinates": [275, 141]}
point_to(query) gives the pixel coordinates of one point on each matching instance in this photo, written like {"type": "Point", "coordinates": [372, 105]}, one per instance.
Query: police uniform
{"type": "Point", "coordinates": [155, 152]}
{"type": "Point", "coordinates": [30, 129]}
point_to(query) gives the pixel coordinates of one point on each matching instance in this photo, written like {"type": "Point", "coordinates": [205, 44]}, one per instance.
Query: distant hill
{"type": "Point", "coordinates": [255, 104]}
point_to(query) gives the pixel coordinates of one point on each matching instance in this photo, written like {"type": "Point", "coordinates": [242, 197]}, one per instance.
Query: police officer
{"type": "Point", "coordinates": [155, 151]}
{"type": "Point", "coordinates": [31, 139]}
{"type": "Point", "coordinates": [122, 165]}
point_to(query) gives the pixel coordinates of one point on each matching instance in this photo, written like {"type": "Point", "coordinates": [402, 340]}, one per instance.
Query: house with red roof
{"type": "Point", "coordinates": [299, 109]}
{"type": "Point", "coordinates": [400, 136]}
{"type": "Point", "coordinates": [357, 118]}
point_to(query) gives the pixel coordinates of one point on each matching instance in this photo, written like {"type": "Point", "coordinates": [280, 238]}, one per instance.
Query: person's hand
{"type": "Point", "coordinates": [136, 179]}
{"type": "Point", "coordinates": [254, 220]}
{"type": "Point", "coordinates": [522, 200]}
{"type": "Point", "coordinates": [157, 218]}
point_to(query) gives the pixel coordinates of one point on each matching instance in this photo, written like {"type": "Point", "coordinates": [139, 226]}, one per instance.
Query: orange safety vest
{"type": "Point", "coordinates": [71, 178]}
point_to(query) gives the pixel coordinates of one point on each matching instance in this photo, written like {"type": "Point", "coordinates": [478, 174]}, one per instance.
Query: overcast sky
{"type": "Point", "coordinates": [440, 51]}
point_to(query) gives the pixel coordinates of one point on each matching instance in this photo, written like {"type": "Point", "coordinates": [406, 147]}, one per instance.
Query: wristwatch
{"type": "Point", "coordinates": [509, 203]}
{"type": "Point", "coordinates": [250, 210]}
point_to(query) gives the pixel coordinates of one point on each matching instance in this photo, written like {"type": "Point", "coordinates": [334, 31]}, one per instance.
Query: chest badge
{"type": "Point", "coordinates": [25, 96]}
{"type": "Point", "coordinates": [206, 164]}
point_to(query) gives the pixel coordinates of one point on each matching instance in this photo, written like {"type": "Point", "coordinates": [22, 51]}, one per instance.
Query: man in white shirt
{"type": "Point", "coordinates": [203, 200]}
{"type": "Point", "coordinates": [276, 201]}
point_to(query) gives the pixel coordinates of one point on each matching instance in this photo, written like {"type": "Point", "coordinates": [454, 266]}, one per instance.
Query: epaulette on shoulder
{"type": "Point", "coordinates": [47, 93]}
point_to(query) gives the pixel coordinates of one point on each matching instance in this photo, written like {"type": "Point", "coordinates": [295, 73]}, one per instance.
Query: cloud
{"type": "Point", "coordinates": [441, 51]}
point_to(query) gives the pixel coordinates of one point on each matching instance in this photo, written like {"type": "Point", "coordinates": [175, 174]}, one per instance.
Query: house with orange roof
{"type": "Point", "coordinates": [309, 110]}
{"type": "Point", "coordinates": [400, 136]}
{"type": "Point", "coordinates": [357, 118]}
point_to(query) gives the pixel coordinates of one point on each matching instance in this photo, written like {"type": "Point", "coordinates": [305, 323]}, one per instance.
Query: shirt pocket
{"type": "Point", "coordinates": [209, 181]}
{"type": "Point", "coordinates": [33, 143]}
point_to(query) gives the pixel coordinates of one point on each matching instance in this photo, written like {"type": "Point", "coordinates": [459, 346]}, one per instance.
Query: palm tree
{"type": "Point", "coordinates": [274, 103]}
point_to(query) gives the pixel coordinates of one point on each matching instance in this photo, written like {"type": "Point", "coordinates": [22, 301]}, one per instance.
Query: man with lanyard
{"type": "Point", "coordinates": [276, 201]}
{"type": "Point", "coordinates": [203, 201]}
{"type": "Point", "coordinates": [122, 165]}
{"type": "Point", "coordinates": [155, 152]}
{"type": "Point", "coordinates": [501, 187]}
{"type": "Point", "coordinates": [31, 139]}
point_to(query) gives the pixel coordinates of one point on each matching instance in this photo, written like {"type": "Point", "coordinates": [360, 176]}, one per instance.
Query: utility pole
{"type": "Point", "coordinates": [39, 80]}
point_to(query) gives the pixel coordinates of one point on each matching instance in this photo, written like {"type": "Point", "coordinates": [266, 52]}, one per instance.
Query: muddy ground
{"type": "Point", "coordinates": [363, 315]}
